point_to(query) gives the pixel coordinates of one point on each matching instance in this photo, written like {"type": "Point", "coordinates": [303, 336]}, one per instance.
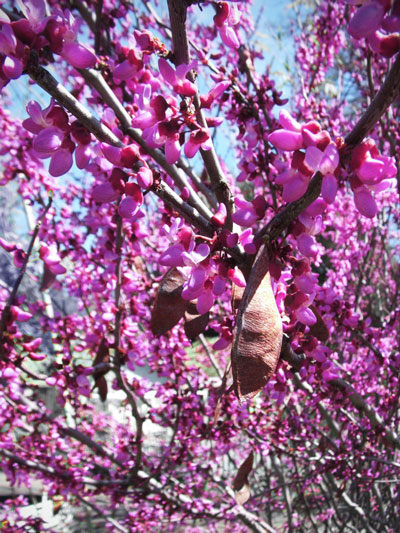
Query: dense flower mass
{"type": "Point", "coordinates": [199, 274]}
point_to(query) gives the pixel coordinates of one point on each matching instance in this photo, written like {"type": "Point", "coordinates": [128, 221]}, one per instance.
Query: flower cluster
{"type": "Point", "coordinates": [372, 173]}
{"type": "Point", "coordinates": [57, 138]}
{"type": "Point", "coordinates": [35, 32]}
{"type": "Point", "coordinates": [206, 276]}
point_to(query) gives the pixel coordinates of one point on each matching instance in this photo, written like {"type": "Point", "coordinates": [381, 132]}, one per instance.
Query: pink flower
{"type": "Point", "coordinates": [220, 88]}
{"type": "Point", "coordinates": [329, 188]}
{"type": "Point", "coordinates": [78, 55]}
{"type": "Point", "coordinates": [53, 137]}
{"type": "Point", "coordinates": [370, 22]}
{"type": "Point", "coordinates": [365, 202]}
{"type": "Point", "coordinates": [144, 177]}
{"type": "Point", "coordinates": [50, 257]}
{"type": "Point", "coordinates": [307, 245]}
{"type": "Point", "coordinates": [325, 161]}
{"type": "Point", "coordinates": [177, 78]}
{"type": "Point", "coordinates": [198, 139]}
{"type": "Point", "coordinates": [226, 18]}
{"type": "Point", "coordinates": [373, 173]}
{"type": "Point", "coordinates": [286, 140]}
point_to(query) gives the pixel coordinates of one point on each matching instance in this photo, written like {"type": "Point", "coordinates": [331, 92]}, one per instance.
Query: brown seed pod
{"type": "Point", "coordinates": [169, 306]}
{"type": "Point", "coordinates": [258, 332]}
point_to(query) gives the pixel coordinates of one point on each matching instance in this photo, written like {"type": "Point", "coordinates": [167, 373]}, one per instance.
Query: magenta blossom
{"type": "Point", "coordinates": [177, 78]}
{"type": "Point", "coordinates": [227, 17]}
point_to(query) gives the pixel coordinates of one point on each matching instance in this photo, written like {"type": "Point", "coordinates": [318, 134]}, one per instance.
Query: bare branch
{"type": "Point", "coordinates": [118, 355]}
{"type": "Point", "coordinates": [100, 512]}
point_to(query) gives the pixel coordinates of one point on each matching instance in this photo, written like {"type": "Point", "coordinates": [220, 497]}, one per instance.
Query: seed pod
{"type": "Point", "coordinates": [258, 332]}
{"type": "Point", "coordinates": [169, 306]}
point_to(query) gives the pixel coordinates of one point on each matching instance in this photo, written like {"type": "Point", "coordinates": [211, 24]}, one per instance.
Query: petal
{"type": "Point", "coordinates": [329, 188]}
{"type": "Point", "coordinates": [286, 140]}
{"type": "Point", "coordinates": [144, 177]}
{"type": "Point", "coordinates": [185, 88]}
{"type": "Point", "coordinates": [205, 302]}
{"type": "Point", "coordinates": [82, 156]}
{"type": "Point", "coordinates": [313, 157]}
{"type": "Point", "coordinates": [172, 256]}
{"type": "Point", "coordinates": [237, 277]}
{"type": "Point", "coordinates": [31, 126]}
{"type": "Point", "coordinates": [191, 148]}
{"type": "Point", "coordinates": [307, 245]}
{"type": "Point", "coordinates": [367, 19]}
{"type": "Point", "coordinates": [295, 188]}
{"type": "Point", "coordinates": [330, 160]}
{"type": "Point", "coordinates": [197, 279]}
{"type": "Point", "coordinates": [12, 68]}
{"type": "Point", "coordinates": [221, 344]}
{"type": "Point", "coordinates": [306, 316]}
{"type": "Point", "coordinates": [219, 285]}
{"type": "Point", "coordinates": [34, 11]}
{"type": "Point", "coordinates": [365, 202]}
{"type": "Point", "coordinates": [48, 140]}
{"type": "Point", "coordinates": [288, 122]}
{"type": "Point", "coordinates": [172, 151]}
{"type": "Point", "coordinates": [60, 163]}
{"type": "Point", "coordinates": [78, 55]}
{"type": "Point", "coordinates": [383, 185]}
{"type": "Point", "coordinates": [306, 282]}
{"type": "Point", "coordinates": [128, 207]}
{"type": "Point", "coordinates": [370, 170]}
{"type": "Point", "coordinates": [245, 217]}
{"type": "Point", "coordinates": [124, 71]}
{"type": "Point", "coordinates": [111, 153]}
{"type": "Point", "coordinates": [167, 72]}
{"type": "Point", "coordinates": [228, 36]}
{"type": "Point", "coordinates": [104, 193]}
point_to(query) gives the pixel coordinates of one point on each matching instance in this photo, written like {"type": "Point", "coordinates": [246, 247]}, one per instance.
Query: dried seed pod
{"type": "Point", "coordinates": [169, 306]}
{"type": "Point", "coordinates": [258, 332]}
{"type": "Point", "coordinates": [241, 484]}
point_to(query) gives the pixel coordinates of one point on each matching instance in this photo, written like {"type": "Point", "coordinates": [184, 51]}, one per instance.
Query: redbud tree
{"type": "Point", "coordinates": [210, 284]}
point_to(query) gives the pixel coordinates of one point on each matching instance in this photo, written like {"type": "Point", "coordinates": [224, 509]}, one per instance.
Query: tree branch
{"type": "Point", "coordinates": [219, 183]}
{"type": "Point", "coordinates": [100, 512]}
{"type": "Point", "coordinates": [48, 83]}
{"type": "Point", "coordinates": [284, 218]}
{"type": "Point", "coordinates": [383, 99]}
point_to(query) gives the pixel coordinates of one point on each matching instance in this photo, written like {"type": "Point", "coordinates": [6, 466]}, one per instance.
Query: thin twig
{"type": "Point", "coordinates": [358, 401]}
{"type": "Point", "coordinates": [100, 512]}
{"type": "Point", "coordinates": [6, 311]}
{"type": "Point", "coordinates": [118, 355]}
